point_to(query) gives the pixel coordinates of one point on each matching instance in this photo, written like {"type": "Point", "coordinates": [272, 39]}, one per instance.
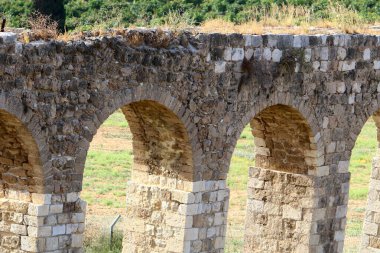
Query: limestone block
{"type": "Point", "coordinates": [18, 229]}
{"type": "Point", "coordinates": [276, 55]}
{"type": "Point", "coordinates": [39, 231]}
{"type": "Point", "coordinates": [370, 228]}
{"type": "Point", "coordinates": [77, 218]}
{"type": "Point", "coordinates": [256, 183]}
{"type": "Point", "coordinates": [219, 242]}
{"type": "Point", "coordinates": [227, 55]}
{"type": "Point", "coordinates": [191, 234]}
{"type": "Point", "coordinates": [8, 37]}
{"type": "Point", "coordinates": [76, 240]}
{"type": "Point", "coordinates": [343, 166]}
{"type": "Point", "coordinates": [57, 208]}
{"type": "Point", "coordinates": [58, 230]}
{"type": "Point", "coordinates": [183, 197]}
{"type": "Point", "coordinates": [72, 197]}
{"type": "Point", "coordinates": [290, 212]}
{"type": "Point", "coordinates": [255, 205]}
{"type": "Point", "coordinates": [220, 67]}
{"type": "Point", "coordinates": [367, 54]}
{"type": "Point", "coordinates": [376, 65]}
{"type": "Point", "coordinates": [38, 210]}
{"type": "Point", "coordinates": [71, 228]}
{"type": "Point", "coordinates": [51, 243]}
{"type": "Point", "coordinates": [267, 54]}
{"type": "Point", "coordinates": [307, 55]}
{"type": "Point", "coordinates": [41, 199]}
{"type": "Point", "coordinates": [342, 53]}
{"type": "Point", "coordinates": [324, 54]}
{"type": "Point", "coordinates": [341, 211]}
{"type": "Point", "coordinates": [347, 65]}
{"type": "Point", "coordinates": [32, 244]}
{"type": "Point", "coordinates": [237, 54]}
{"type": "Point", "coordinates": [33, 220]}
{"type": "Point", "coordinates": [339, 236]}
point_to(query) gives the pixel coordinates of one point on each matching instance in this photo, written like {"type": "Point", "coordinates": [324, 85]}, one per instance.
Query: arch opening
{"type": "Point", "coordinates": [20, 166]}
{"type": "Point", "coordinates": [22, 183]}
{"type": "Point", "coordinates": [362, 226]}
{"type": "Point", "coordinates": [157, 165]}
{"type": "Point", "coordinates": [280, 184]}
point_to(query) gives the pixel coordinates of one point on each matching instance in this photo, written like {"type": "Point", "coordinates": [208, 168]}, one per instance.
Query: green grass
{"type": "Point", "coordinates": [105, 177]}
{"type": "Point", "coordinates": [116, 119]}
{"type": "Point", "coordinates": [102, 244]}
{"type": "Point", "coordinates": [106, 173]}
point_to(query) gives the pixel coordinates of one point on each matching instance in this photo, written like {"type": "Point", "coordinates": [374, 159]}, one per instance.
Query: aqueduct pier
{"type": "Point", "coordinates": [187, 99]}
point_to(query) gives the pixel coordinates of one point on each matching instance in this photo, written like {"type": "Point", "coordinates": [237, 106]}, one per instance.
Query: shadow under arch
{"type": "Point", "coordinates": [145, 100]}
{"type": "Point", "coordinates": [281, 190]}
{"type": "Point", "coordinates": [24, 155]}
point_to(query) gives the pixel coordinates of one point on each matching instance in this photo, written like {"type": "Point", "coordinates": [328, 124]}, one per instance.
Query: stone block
{"type": "Point", "coordinates": [220, 67]}
{"type": "Point", "coordinates": [376, 65]}
{"type": "Point", "coordinates": [276, 55]}
{"type": "Point", "coordinates": [32, 244]}
{"type": "Point", "coordinates": [41, 199]}
{"type": "Point", "coordinates": [58, 230]}
{"type": "Point", "coordinates": [18, 229]}
{"type": "Point", "coordinates": [8, 37]}
{"type": "Point", "coordinates": [72, 197]}
{"type": "Point", "coordinates": [290, 212]}
{"type": "Point", "coordinates": [57, 208]}
{"type": "Point", "coordinates": [237, 54]}
{"type": "Point", "coordinates": [38, 210]}
{"type": "Point", "coordinates": [76, 240]}
{"type": "Point", "coordinates": [343, 166]}
{"type": "Point", "coordinates": [370, 228]}
{"type": "Point", "coordinates": [51, 243]}
{"type": "Point", "coordinates": [39, 231]}
{"type": "Point", "coordinates": [191, 234]}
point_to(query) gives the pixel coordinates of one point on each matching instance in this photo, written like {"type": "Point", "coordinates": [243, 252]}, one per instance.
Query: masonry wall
{"type": "Point", "coordinates": [32, 222]}
{"type": "Point", "coordinates": [61, 92]}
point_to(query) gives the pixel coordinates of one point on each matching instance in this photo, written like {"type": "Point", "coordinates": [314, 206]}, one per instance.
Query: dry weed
{"type": "Point", "coordinates": [42, 27]}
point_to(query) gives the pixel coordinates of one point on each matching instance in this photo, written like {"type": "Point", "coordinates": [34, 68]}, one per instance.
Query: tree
{"type": "Point", "coordinates": [53, 8]}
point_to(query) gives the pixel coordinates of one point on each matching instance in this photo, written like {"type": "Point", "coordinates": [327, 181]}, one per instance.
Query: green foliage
{"type": "Point", "coordinates": [16, 11]}
{"type": "Point", "coordinates": [89, 14]}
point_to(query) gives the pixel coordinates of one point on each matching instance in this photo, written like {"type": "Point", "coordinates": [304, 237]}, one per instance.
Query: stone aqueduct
{"type": "Point", "coordinates": [187, 99]}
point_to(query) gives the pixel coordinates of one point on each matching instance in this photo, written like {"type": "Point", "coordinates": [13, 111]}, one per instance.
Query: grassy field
{"type": "Point", "coordinates": [108, 168]}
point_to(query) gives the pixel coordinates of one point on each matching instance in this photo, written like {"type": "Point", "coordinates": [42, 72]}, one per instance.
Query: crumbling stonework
{"type": "Point", "coordinates": [188, 98]}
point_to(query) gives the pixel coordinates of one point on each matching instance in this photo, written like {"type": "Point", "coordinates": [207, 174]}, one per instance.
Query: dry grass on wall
{"type": "Point", "coordinates": [292, 19]}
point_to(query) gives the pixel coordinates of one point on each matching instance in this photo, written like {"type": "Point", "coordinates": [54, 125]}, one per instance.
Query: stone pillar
{"type": "Point", "coordinates": [170, 215]}
{"type": "Point", "coordinates": [282, 212]}
{"type": "Point", "coordinates": [371, 231]}
{"type": "Point", "coordinates": [33, 222]}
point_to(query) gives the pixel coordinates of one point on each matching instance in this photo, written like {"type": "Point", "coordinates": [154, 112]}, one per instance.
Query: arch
{"type": "Point", "coordinates": [143, 104]}
{"type": "Point", "coordinates": [24, 156]}
{"type": "Point", "coordinates": [280, 186]}
{"type": "Point", "coordinates": [300, 109]}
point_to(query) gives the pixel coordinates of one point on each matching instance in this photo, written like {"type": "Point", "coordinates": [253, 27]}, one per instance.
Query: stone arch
{"type": "Point", "coordinates": [137, 102]}
{"type": "Point", "coordinates": [25, 157]}
{"type": "Point", "coordinates": [284, 141]}
{"type": "Point", "coordinates": [300, 108]}
{"type": "Point", "coordinates": [163, 169]}
{"type": "Point", "coordinates": [281, 192]}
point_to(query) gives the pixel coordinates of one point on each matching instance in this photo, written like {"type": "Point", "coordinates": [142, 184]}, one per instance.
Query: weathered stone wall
{"type": "Point", "coordinates": [171, 215]}
{"type": "Point", "coordinates": [192, 95]}
{"type": "Point", "coordinates": [32, 222]}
